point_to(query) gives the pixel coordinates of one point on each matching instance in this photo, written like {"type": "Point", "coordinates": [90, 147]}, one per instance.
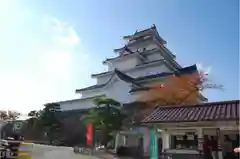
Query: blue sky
{"type": "Point", "coordinates": [50, 48]}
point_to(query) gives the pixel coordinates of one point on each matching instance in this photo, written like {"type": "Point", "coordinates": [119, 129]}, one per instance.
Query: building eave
{"type": "Point", "coordinates": [146, 32]}
{"type": "Point", "coordinates": [132, 43]}
{"type": "Point", "coordinates": [136, 81]}
{"type": "Point", "coordinates": [90, 88]}
{"type": "Point", "coordinates": [94, 86]}
{"type": "Point", "coordinates": [203, 98]}
{"type": "Point", "coordinates": [129, 55]}
{"type": "Point", "coordinates": [75, 100]}
{"type": "Point", "coordinates": [119, 74]}
{"type": "Point", "coordinates": [137, 67]}
{"type": "Point", "coordinates": [164, 48]}
{"type": "Point", "coordinates": [128, 37]}
{"type": "Point", "coordinates": [119, 58]}
{"type": "Point", "coordinates": [185, 70]}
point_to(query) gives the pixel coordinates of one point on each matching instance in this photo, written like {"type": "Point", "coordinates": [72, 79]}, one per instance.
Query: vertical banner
{"type": "Point", "coordinates": [89, 134]}
{"type": "Point", "coordinates": [153, 144]}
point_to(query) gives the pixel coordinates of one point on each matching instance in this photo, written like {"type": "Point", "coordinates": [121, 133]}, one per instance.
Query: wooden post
{"type": "Point", "coordinates": [200, 139]}
{"type": "Point", "coordinates": [117, 141]}
{"type": "Point", "coordinates": [218, 143]}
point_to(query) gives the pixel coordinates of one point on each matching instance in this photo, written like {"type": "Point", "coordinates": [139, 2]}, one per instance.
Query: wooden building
{"type": "Point", "coordinates": [192, 122]}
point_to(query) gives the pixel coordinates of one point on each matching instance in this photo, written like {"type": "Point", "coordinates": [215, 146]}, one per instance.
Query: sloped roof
{"type": "Point", "coordinates": [214, 111]}
{"type": "Point", "coordinates": [129, 53]}
{"type": "Point", "coordinates": [94, 86]}
{"type": "Point", "coordinates": [91, 87]}
{"type": "Point", "coordinates": [181, 71]}
{"type": "Point", "coordinates": [120, 74]}
{"type": "Point", "coordinates": [129, 79]}
{"type": "Point", "coordinates": [149, 31]}
{"type": "Point", "coordinates": [139, 65]}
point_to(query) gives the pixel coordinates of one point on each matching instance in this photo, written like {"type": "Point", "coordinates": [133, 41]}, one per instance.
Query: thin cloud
{"type": "Point", "coordinates": [62, 32]}
{"type": "Point", "coordinates": [48, 71]}
{"type": "Point", "coordinates": [57, 25]}
{"type": "Point", "coordinates": [70, 39]}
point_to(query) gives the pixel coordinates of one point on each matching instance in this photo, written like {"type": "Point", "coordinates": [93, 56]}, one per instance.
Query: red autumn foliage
{"type": "Point", "coordinates": [178, 90]}
{"type": "Point", "coordinates": [175, 90]}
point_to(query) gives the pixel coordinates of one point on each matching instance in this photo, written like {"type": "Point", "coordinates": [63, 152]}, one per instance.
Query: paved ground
{"type": "Point", "coordinates": [50, 152]}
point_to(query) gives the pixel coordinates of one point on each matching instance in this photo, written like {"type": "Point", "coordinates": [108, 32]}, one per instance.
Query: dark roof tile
{"type": "Point", "coordinates": [181, 71]}
{"type": "Point", "coordinates": [91, 87]}
{"type": "Point", "coordinates": [225, 110]}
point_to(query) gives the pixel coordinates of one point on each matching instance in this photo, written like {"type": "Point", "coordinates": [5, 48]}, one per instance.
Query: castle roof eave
{"type": "Point", "coordinates": [153, 29]}
{"type": "Point", "coordinates": [127, 55]}
{"type": "Point", "coordinates": [74, 100]}
{"type": "Point", "coordinates": [127, 37]}
{"type": "Point", "coordinates": [119, 74]}
{"type": "Point", "coordinates": [136, 81]}
{"type": "Point", "coordinates": [137, 66]}
{"type": "Point", "coordinates": [97, 86]}
{"type": "Point", "coordinates": [130, 54]}
{"type": "Point", "coordinates": [131, 44]}
{"type": "Point", "coordinates": [90, 88]}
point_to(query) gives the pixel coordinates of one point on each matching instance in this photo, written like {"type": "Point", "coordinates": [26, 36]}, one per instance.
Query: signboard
{"type": "Point", "coordinates": [153, 144]}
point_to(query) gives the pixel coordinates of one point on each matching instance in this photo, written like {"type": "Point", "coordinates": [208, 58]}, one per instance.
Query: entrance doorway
{"type": "Point", "coordinates": [159, 145]}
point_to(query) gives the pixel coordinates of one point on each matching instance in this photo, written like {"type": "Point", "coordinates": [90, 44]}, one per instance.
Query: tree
{"type": "Point", "coordinates": [179, 90]}
{"type": "Point", "coordinates": [106, 118]}
{"type": "Point", "coordinates": [44, 122]}
{"type": "Point", "coordinates": [34, 114]}
{"type": "Point", "coordinates": [176, 90]}
{"type": "Point", "coordinates": [33, 121]}
{"type": "Point", "coordinates": [50, 122]}
{"type": "Point", "coordinates": [3, 115]}
{"type": "Point", "coordinates": [9, 115]}
{"type": "Point", "coordinates": [73, 131]}
{"type": "Point", "coordinates": [13, 115]}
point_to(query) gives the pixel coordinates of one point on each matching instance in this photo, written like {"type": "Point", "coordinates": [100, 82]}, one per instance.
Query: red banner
{"type": "Point", "coordinates": [89, 134]}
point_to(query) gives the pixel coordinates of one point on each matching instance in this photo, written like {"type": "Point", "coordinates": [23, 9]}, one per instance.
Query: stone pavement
{"type": "Point", "coordinates": [53, 152]}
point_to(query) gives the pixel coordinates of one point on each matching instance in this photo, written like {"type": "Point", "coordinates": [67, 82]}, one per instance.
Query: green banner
{"type": "Point", "coordinates": [153, 144]}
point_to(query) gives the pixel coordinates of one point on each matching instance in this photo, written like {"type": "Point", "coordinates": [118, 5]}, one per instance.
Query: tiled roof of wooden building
{"type": "Point", "coordinates": [214, 111]}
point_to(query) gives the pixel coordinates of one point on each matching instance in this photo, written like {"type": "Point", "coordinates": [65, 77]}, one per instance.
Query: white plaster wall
{"type": "Point", "coordinates": [148, 45]}
{"type": "Point", "coordinates": [154, 69]}
{"type": "Point", "coordinates": [119, 91]}
{"type": "Point", "coordinates": [154, 56]}
{"type": "Point", "coordinates": [76, 104]}
{"type": "Point", "coordinates": [165, 140]}
{"type": "Point", "coordinates": [131, 61]}
{"type": "Point", "coordinates": [116, 89]}
{"type": "Point", "coordinates": [124, 63]}
{"type": "Point", "coordinates": [132, 141]}
{"type": "Point", "coordinates": [103, 79]}
{"type": "Point", "coordinates": [92, 93]}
